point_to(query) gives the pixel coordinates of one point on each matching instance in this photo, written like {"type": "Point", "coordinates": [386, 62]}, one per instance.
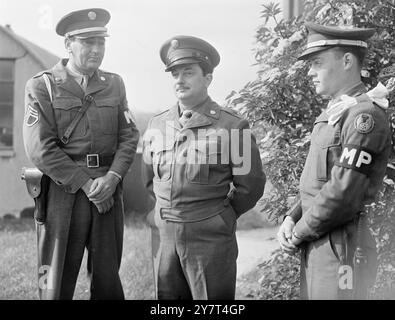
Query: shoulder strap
{"type": "Point", "coordinates": [48, 85]}
{"type": "Point", "coordinates": [67, 134]}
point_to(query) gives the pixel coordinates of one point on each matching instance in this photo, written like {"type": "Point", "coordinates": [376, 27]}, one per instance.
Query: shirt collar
{"type": "Point", "coordinates": [353, 90]}
{"type": "Point", "coordinates": [195, 108]}
{"type": "Point", "coordinates": [74, 72]}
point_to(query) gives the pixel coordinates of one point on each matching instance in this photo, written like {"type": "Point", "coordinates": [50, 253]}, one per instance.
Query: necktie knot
{"type": "Point", "coordinates": [185, 116]}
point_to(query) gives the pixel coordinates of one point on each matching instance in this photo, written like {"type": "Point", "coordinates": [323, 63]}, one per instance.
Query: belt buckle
{"type": "Point", "coordinates": [92, 160]}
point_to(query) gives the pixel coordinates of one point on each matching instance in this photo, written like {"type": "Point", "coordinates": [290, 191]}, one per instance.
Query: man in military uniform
{"type": "Point", "coordinates": [85, 160]}
{"type": "Point", "coordinates": [190, 161]}
{"type": "Point", "coordinates": [350, 145]}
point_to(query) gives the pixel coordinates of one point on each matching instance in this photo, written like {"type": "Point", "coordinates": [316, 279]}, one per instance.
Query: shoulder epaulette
{"type": "Point", "coordinates": [231, 112]}
{"type": "Point", "coordinates": [41, 73]}
{"type": "Point", "coordinates": [160, 113]}
{"type": "Point", "coordinates": [107, 72]}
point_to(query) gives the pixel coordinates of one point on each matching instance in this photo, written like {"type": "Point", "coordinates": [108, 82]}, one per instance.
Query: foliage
{"type": "Point", "coordinates": [280, 278]}
{"type": "Point", "coordinates": [281, 103]}
{"type": "Point", "coordinates": [382, 221]}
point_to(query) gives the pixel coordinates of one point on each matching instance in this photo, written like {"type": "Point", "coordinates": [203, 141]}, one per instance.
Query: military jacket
{"type": "Point", "coordinates": [107, 127]}
{"type": "Point", "coordinates": [344, 167]}
{"type": "Point", "coordinates": [190, 169]}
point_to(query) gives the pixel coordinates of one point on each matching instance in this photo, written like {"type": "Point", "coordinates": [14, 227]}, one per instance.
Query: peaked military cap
{"type": "Point", "coordinates": [324, 37]}
{"type": "Point", "coordinates": [84, 23]}
{"type": "Point", "coordinates": [186, 49]}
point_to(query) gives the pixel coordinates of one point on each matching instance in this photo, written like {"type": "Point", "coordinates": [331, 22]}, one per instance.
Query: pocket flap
{"type": "Point", "coordinates": [327, 136]}
{"type": "Point", "coordinates": [107, 102]}
{"type": "Point", "coordinates": [160, 145]}
{"type": "Point", "coordinates": [66, 103]}
{"type": "Point", "coordinates": [206, 147]}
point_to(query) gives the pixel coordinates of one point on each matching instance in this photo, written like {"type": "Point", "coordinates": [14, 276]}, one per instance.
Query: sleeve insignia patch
{"type": "Point", "coordinates": [364, 123]}
{"type": "Point", "coordinates": [32, 116]}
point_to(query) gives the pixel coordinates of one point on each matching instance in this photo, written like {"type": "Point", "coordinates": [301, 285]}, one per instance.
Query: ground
{"type": "Point", "coordinates": [254, 246]}
{"type": "Point", "coordinates": [256, 241]}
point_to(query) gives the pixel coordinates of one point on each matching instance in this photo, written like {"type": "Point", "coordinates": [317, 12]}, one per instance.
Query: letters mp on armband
{"type": "Point", "coordinates": [356, 158]}
{"type": "Point", "coordinates": [128, 116]}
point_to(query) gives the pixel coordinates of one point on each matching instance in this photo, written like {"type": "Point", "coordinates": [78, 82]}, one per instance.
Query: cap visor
{"type": "Point", "coordinates": [308, 52]}
{"type": "Point", "coordinates": [181, 62]}
{"type": "Point", "coordinates": [91, 35]}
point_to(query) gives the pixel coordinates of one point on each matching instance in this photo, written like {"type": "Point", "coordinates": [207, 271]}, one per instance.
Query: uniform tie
{"type": "Point", "coordinates": [84, 82]}
{"type": "Point", "coordinates": [185, 116]}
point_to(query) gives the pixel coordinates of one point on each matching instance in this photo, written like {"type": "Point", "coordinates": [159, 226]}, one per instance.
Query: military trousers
{"type": "Point", "coordinates": [72, 225]}
{"type": "Point", "coordinates": [195, 260]}
{"type": "Point", "coordinates": [327, 266]}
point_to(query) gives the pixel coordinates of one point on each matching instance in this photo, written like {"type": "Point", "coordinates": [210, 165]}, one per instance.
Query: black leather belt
{"type": "Point", "coordinates": [95, 160]}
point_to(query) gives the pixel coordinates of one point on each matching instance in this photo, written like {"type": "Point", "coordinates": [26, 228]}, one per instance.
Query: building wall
{"type": "Point", "coordinates": [13, 192]}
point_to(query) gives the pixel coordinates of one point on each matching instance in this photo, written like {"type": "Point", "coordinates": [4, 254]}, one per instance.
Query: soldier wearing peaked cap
{"type": "Point", "coordinates": [350, 146]}
{"type": "Point", "coordinates": [80, 133]}
{"type": "Point", "coordinates": [189, 164]}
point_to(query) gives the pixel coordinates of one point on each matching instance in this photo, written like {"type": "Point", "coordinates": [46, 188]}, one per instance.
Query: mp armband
{"type": "Point", "coordinates": [127, 118]}
{"type": "Point", "coordinates": [356, 158]}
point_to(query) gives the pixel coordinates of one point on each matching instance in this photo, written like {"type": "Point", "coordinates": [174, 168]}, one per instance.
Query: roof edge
{"type": "Point", "coordinates": [20, 40]}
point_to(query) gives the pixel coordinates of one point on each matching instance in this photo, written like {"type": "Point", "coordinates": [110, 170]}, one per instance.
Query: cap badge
{"type": "Point", "coordinates": [102, 78]}
{"type": "Point", "coordinates": [174, 43]}
{"type": "Point", "coordinates": [92, 15]}
{"type": "Point", "coordinates": [212, 112]}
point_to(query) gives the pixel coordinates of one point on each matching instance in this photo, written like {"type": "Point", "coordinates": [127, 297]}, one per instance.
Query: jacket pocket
{"type": "Point", "coordinates": [336, 244]}
{"type": "Point", "coordinates": [66, 110]}
{"type": "Point", "coordinates": [108, 114]}
{"type": "Point", "coordinates": [230, 219]}
{"type": "Point", "coordinates": [197, 168]}
{"type": "Point", "coordinates": [326, 141]}
{"type": "Point", "coordinates": [163, 157]}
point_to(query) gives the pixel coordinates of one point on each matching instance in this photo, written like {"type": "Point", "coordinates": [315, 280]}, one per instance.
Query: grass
{"type": "Point", "coordinates": [18, 260]}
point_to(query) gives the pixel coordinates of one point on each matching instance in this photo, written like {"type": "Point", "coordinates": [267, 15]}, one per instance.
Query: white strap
{"type": "Point", "coordinates": [48, 85]}
{"type": "Point", "coordinates": [85, 30]}
{"type": "Point", "coordinates": [337, 42]}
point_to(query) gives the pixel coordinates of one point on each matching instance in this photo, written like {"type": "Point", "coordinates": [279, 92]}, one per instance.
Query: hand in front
{"type": "Point", "coordinates": [104, 206]}
{"type": "Point", "coordinates": [103, 188]}
{"type": "Point", "coordinates": [294, 240]}
{"type": "Point", "coordinates": [284, 235]}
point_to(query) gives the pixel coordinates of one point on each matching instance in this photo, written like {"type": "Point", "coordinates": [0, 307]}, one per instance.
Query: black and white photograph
{"type": "Point", "coordinates": [199, 156]}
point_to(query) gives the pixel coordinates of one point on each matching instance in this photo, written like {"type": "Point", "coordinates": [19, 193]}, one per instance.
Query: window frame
{"type": "Point", "coordinates": [8, 150]}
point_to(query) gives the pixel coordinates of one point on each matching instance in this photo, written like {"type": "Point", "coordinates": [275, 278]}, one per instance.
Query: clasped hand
{"type": "Point", "coordinates": [288, 242]}
{"type": "Point", "coordinates": [100, 191]}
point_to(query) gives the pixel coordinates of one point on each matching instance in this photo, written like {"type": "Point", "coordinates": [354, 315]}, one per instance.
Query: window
{"type": "Point", "coordinates": [6, 103]}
